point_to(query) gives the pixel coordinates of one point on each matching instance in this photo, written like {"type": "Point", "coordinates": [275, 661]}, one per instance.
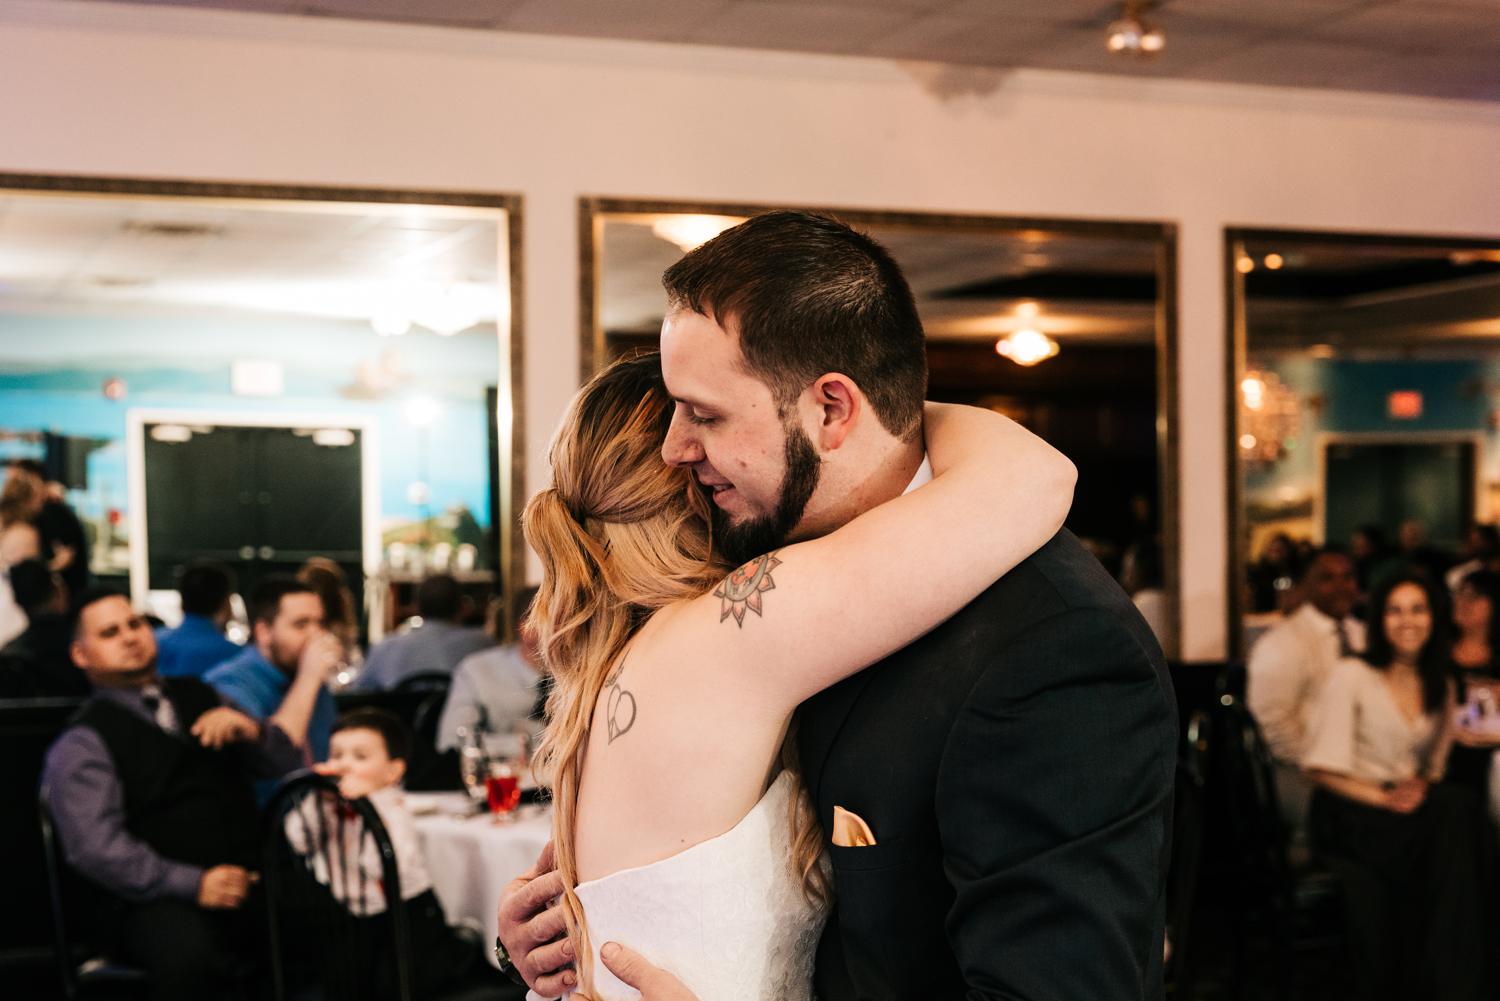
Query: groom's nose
{"type": "Point", "coordinates": [682, 447]}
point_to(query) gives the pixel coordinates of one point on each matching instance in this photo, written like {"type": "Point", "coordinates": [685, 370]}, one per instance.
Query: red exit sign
{"type": "Point", "coordinates": [1404, 405]}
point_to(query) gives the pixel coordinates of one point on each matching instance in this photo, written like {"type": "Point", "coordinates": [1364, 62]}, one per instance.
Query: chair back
{"type": "Point", "coordinates": [333, 894]}
{"type": "Point", "coordinates": [1259, 832]}
{"type": "Point", "coordinates": [425, 681]}
{"type": "Point", "coordinates": [1187, 852]}
{"type": "Point", "coordinates": [62, 944]}
{"type": "Point", "coordinates": [67, 894]}
{"type": "Point", "coordinates": [28, 728]}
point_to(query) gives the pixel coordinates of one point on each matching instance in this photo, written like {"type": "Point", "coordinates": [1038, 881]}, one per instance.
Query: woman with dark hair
{"type": "Point", "coordinates": [1405, 847]}
{"type": "Point", "coordinates": [340, 618]}
{"type": "Point", "coordinates": [1476, 602]}
{"type": "Point", "coordinates": [1476, 619]}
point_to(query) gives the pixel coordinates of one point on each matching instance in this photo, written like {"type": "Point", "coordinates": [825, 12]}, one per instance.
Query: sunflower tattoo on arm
{"type": "Point", "coordinates": [741, 591]}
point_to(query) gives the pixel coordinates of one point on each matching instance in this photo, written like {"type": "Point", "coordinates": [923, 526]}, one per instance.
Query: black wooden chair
{"type": "Point", "coordinates": [1293, 909]}
{"type": "Point", "coordinates": [429, 769]}
{"type": "Point", "coordinates": [83, 972]}
{"type": "Point", "coordinates": [312, 935]}
{"type": "Point", "coordinates": [1188, 813]}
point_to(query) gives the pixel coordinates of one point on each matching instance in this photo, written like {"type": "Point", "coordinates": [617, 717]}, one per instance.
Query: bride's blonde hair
{"type": "Point", "coordinates": [620, 535]}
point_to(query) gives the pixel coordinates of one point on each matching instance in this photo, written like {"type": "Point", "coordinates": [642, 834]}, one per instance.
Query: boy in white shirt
{"type": "Point", "coordinates": [367, 755]}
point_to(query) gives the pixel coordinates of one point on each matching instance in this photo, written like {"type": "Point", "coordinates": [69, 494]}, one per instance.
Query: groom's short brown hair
{"type": "Point", "coordinates": [811, 296]}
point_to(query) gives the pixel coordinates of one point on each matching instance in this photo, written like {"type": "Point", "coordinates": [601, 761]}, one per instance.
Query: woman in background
{"type": "Point", "coordinates": [339, 615]}
{"type": "Point", "coordinates": [1406, 848]}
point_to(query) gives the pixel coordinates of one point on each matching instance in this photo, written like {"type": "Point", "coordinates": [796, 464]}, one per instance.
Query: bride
{"type": "Point", "coordinates": [680, 824]}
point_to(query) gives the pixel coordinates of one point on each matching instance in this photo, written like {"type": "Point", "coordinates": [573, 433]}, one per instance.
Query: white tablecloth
{"type": "Point", "coordinates": [471, 858]}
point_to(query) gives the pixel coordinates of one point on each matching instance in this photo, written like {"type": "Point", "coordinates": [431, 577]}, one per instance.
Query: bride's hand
{"type": "Point", "coordinates": [654, 983]}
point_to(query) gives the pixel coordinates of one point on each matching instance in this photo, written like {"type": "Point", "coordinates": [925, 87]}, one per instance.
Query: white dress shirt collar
{"type": "Point", "coordinates": [922, 476]}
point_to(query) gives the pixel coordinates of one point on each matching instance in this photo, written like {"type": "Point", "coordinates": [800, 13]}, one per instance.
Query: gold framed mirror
{"type": "Point", "coordinates": [1088, 309]}
{"type": "Point", "coordinates": [375, 335]}
{"type": "Point", "coordinates": [1363, 387]}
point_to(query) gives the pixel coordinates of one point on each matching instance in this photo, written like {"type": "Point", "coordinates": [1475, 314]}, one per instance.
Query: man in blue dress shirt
{"type": "Point", "coordinates": [199, 643]}
{"type": "Point", "coordinates": [291, 654]}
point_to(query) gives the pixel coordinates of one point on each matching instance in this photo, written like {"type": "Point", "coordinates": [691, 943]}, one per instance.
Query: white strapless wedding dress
{"type": "Point", "coordinates": [727, 916]}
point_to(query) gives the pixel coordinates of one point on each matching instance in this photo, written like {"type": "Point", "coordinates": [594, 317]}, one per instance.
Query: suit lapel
{"type": "Point", "coordinates": [820, 721]}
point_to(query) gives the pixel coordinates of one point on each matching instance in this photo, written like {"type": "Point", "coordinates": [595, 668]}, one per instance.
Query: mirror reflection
{"type": "Point", "coordinates": [1368, 411]}
{"type": "Point", "coordinates": [1060, 326]}
{"type": "Point", "coordinates": [267, 386]}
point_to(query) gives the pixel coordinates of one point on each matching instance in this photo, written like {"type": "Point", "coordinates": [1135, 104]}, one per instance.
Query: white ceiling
{"type": "Point", "coordinates": [1439, 48]}
{"type": "Point", "coordinates": [70, 254]}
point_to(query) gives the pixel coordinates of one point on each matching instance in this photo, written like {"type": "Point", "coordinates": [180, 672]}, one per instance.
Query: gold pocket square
{"type": "Point", "coordinates": [850, 829]}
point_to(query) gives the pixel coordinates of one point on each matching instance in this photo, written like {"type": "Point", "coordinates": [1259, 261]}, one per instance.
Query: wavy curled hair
{"type": "Point", "coordinates": [620, 535]}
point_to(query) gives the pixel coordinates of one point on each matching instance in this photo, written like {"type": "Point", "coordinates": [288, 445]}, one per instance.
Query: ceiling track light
{"type": "Point", "coordinates": [1132, 34]}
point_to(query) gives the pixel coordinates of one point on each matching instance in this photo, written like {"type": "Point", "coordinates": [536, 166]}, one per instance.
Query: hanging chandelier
{"type": "Point", "coordinates": [1027, 346]}
{"type": "Point", "coordinates": [1270, 418]}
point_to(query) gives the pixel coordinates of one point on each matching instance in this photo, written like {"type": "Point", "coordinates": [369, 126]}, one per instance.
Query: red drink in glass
{"type": "Point", "coordinates": [504, 792]}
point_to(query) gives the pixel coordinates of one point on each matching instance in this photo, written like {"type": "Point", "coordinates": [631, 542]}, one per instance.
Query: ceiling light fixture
{"type": "Point", "coordinates": [1027, 346]}
{"type": "Point", "coordinates": [1274, 262]}
{"type": "Point", "coordinates": [690, 231]}
{"type": "Point", "coordinates": [1133, 35]}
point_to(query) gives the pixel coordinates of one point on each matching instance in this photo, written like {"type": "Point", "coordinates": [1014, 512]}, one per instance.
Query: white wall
{"type": "Point", "coordinates": [120, 91]}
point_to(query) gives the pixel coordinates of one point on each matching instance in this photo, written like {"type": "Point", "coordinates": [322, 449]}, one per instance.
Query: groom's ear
{"type": "Point", "coordinates": [840, 404]}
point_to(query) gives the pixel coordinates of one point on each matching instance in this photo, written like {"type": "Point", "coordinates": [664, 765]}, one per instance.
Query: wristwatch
{"type": "Point", "coordinates": [507, 967]}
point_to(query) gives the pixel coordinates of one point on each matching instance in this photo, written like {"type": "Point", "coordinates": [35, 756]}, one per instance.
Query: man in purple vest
{"type": "Point", "coordinates": [149, 789]}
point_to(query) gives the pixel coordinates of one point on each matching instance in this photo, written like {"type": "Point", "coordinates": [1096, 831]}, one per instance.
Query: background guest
{"type": "Point", "coordinates": [1406, 849]}
{"type": "Point", "coordinates": [1417, 554]}
{"type": "Point", "coordinates": [1289, 665]}
{"type": "Point", "coordinates": [37, 663]}
{"type": "Point", "coordinates": [1478, 629]}
{"type": "Point", "coordinates": [435, 646]}
{"type": "Point", "coordinates": [1274, 574]}
{"type": "Point", "coordinates": [149, 790]}
{"type": "Point", "coordinates": [1142, 578]}
{"type": "Point", "coordinates": [62, 533]}
{"type": "Point", "coordinates": [498, 691]}
{"type": "Point", "coordinates": [1475, 603]}
{"type": "Point", "coordinates": [340, 616]}
{"type": "Point", "coordinates": [1371, 553]}
{"type": "Point", "coordinates": [21, 501]}
{"type": "Point", "coordinates": [369, 756]}
{"type": "Point", "coordinates": [284, 669]}
{"type": "Point", "coordinates": [1481, 552]}
{"type": "Point", "coordinates": [198, 643]}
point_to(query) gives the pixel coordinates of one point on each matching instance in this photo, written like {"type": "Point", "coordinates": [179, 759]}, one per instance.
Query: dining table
{"type": "Point", "coordinates": [471, 856]}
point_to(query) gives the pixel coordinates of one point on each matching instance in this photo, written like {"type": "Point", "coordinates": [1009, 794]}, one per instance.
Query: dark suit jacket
{"type": "Point", "coordinates": [1015, 766]}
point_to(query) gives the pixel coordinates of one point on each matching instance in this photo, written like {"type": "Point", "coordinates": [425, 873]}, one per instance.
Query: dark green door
{"type": "Point", "coordinates": [258, 499]}
{"type": "Point", "coordinates": [1386, 483]}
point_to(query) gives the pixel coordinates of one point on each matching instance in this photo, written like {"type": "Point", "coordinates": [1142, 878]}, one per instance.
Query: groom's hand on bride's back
{"type": "Point", "coordinates": [533, 930]}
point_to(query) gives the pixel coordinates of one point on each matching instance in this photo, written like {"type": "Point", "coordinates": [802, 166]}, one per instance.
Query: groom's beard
{"type": "Point", "coordinates": [743, 542]}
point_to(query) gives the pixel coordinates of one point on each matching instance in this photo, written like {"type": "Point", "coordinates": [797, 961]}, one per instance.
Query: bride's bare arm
{"type": "Point", "coordinates": [793, 622]}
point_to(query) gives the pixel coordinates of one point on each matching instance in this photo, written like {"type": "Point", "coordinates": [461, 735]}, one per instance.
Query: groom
{"type": "Point", "coordinates": [1011, 772]}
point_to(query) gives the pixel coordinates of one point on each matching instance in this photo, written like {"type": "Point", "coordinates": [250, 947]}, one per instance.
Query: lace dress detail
{"type": "Point", "coordinates": [727, 916]}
